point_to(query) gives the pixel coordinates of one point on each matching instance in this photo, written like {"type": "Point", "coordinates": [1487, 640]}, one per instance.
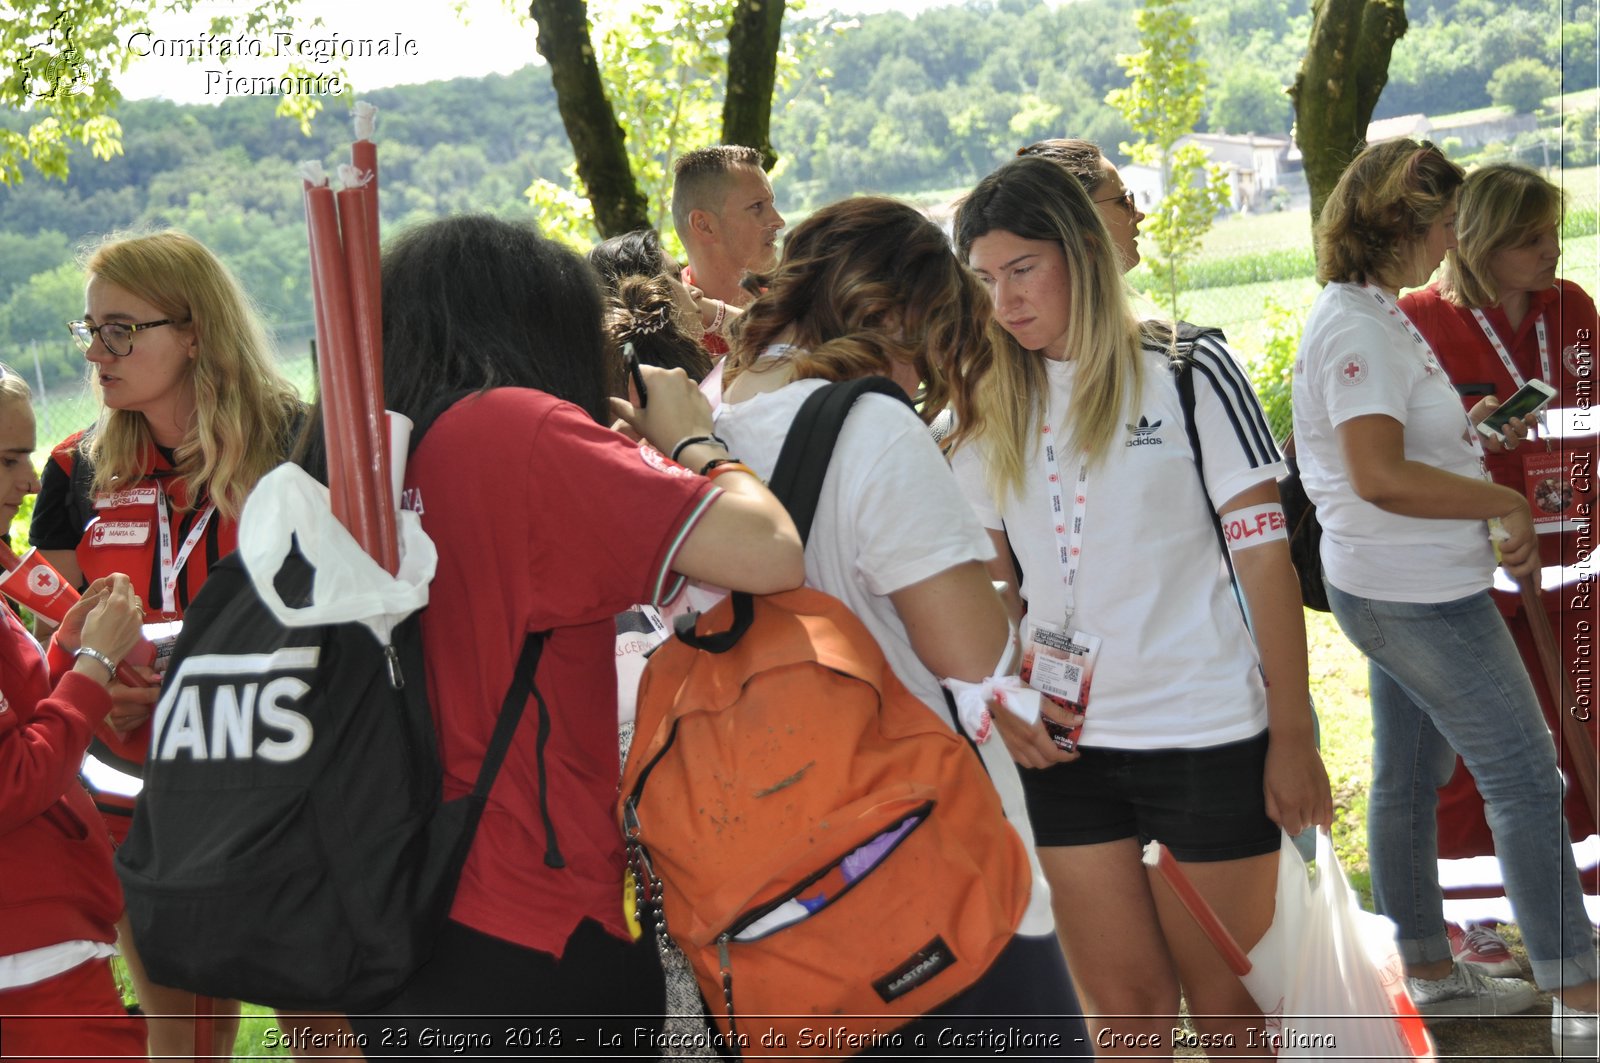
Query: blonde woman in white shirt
{"type": "Point", "coordinates": [1071, 445]}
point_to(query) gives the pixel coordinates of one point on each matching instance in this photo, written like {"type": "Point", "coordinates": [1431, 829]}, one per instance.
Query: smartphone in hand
{"type": "Point", "coordinates": [1528, 400]}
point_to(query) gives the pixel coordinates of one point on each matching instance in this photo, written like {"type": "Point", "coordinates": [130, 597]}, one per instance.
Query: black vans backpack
{"type": "Point", "coordinates": [292, 846]}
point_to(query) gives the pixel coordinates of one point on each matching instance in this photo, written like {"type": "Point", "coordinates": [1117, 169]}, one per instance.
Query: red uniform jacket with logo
{"type": "Point", "coordinates": [56, 878]}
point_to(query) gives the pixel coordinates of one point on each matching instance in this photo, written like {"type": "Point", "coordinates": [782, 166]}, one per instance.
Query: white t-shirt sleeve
{"type": "Point", "coordinates": [967, 464]}
{"type": "Point", "coordinates": [1357, 373]}
{"type": "Point", "coordinates": [1235, 440]}
{"type": "Point", "coordinates": [911, 518]}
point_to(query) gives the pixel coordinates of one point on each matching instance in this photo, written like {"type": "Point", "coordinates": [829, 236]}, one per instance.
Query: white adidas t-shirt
{"type": "Point", "coordinates": [890, 515]}
{"type": "Point", "coordinates": [1177, 667]}
{"type": "Point", "coordinates": [1357, 358]}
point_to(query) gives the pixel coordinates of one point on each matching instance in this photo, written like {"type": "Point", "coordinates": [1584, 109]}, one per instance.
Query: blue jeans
{"type": "Point", "coordinates": [1446, 679]}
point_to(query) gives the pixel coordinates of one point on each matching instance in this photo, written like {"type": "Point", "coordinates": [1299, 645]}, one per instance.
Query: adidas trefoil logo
{"type": "Point", "coordinates": [1144, 434]}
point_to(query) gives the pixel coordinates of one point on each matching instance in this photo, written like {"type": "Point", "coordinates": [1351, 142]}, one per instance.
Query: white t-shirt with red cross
{"type": "Point", "coordinates": [1359, 357]}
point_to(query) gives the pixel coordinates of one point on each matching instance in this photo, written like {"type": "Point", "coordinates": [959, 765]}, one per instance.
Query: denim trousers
{"type": "Point", "coordinates": [1446, 679]}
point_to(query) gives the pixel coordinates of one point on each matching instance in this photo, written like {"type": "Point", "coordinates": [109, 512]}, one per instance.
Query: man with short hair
{"type": "Point", "coordinates": [723, 210]}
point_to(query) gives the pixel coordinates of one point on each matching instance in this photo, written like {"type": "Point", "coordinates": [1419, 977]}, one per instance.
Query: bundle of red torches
{"type": "Point", "coordinates": [345, 287]}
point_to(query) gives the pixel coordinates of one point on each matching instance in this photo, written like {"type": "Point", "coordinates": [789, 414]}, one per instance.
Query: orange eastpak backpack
{"type": "Point", "coordinates": [818, 842]}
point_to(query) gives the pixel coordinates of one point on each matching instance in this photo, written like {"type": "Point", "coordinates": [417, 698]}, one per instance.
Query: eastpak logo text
{"type": "Point", "coordinates": [928, 961]}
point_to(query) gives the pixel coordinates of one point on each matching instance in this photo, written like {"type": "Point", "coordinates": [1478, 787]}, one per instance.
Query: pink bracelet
{"type": "Point", "coordinates": [716, 322]}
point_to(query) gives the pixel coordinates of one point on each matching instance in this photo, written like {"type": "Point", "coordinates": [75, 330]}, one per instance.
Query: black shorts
{"type": "Point", "coordinates": [1204, 804]}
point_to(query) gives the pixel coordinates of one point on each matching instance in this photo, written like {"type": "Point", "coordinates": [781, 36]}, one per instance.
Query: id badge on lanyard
{"type": "Point", "coordinates": [1061, 666]}
{"type": "Point", "coordinates": [1058, 665]}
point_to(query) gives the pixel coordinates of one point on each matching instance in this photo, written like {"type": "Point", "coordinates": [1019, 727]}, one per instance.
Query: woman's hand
{"type": "Point", "coordinates": [69, 636]}
{"type": "Point", "coordinates": [1296, 784]}
{"type": "Point", "coordinates": [1519, 549]}
{"type": "Point", "coordinates": [114, 625]}
{"type": "Point", "coordinates": [675, 411]}
{"type": "Point", "coordinates": [1029, 743]}
{"type": "Point", "coordinates": [132, 706]}
{"type": "Point", "coordinates": [1516, 430]}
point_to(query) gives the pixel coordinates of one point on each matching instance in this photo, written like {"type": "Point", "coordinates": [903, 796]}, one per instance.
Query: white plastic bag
{"type": "Point", "coordinates": [1328, 975]}
{"type": "Point", "coordinates": [288, 507]}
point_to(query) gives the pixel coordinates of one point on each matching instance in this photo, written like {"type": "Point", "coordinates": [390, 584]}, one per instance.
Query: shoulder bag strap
{"type": "Point", "coordinates": [797, 482]}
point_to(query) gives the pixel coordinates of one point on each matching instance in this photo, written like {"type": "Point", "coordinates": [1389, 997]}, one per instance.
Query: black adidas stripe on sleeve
{"type": "Point", "coordinates": [1215, 365]}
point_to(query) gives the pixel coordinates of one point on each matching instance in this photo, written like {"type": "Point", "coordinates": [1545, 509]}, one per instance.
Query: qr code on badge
{"type": "Point", "coordinates": [1071, 673]}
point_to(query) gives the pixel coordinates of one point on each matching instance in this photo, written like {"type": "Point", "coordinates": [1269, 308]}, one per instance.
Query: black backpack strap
{"type": "Point", "coordinates": [1183, 370]}
{"type": "Point", "coordinates": [522, 687]}
{"type": "Point", "coordinates": [797, 483]}
{"type": "Point", "coordinates": [808, 448]}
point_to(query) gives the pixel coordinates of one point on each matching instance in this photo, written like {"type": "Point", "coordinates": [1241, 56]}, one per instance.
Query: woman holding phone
{"type": "Point", "coordinates": [1498, 317]}
{"type": "Point", "coordinates": [1411, 528]}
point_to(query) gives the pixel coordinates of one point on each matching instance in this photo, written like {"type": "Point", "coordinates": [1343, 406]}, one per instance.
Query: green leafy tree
{"type": "Point", "coordinates": [1249, 99]}
{"type": "Point", "coordinates": [1522, 85]}
{"type": "Point", "coordinates": [639, 83]}
{"type": "Point", "coordinates": [58, 60]}
{"type": "Point", "coordinates": [1162, 102]}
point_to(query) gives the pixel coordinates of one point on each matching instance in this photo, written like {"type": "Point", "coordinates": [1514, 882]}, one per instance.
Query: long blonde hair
{"type": "Point", "coordinates": [1003, 403]}
{"type": "Point", "coordinates": [244, 410]}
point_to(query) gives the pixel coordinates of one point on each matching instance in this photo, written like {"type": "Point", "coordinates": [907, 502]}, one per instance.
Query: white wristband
{"type": "Point", "coordinates": [1244, 528]}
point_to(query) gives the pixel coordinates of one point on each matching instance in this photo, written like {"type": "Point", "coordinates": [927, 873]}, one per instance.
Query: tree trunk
{"type": "Point", "coordinates": [753, 40]}
{"type": "Point", "coordinates": [1344, 71]}
{"type": "Point", "coordinates": [598, 141]}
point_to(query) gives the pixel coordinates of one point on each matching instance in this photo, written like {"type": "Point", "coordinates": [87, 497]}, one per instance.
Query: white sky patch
{"type": "Point", "coordinates": [426, 43]}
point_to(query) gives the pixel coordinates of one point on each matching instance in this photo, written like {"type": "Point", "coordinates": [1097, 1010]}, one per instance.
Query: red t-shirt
{"type": "Point", "coordinates": [1469, 358]}
{"type": "Point", "coordinates": [544, 521]}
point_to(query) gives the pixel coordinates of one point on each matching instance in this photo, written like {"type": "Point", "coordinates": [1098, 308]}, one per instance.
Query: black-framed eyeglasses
{"type": "Point", "coordinates": [1126, 199]}
{"type": "Point", "coordinates": [115, 335]}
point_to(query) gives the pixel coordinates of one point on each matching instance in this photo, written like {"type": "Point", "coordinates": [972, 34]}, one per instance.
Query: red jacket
{"type": "Point", "coordinates": [56, 878]}
{"type": "Point", "coordinates": [62, 522]}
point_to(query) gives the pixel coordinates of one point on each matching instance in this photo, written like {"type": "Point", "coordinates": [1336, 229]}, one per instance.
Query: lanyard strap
{"type": "Point", "coordinates": [170, 565]}
{"type": "Point", "coordinates": [1474, 440]}
{"type": "Point", "coordinates": [1069, 535]}
{"type": "Point", "coordinates": [1505, 355]}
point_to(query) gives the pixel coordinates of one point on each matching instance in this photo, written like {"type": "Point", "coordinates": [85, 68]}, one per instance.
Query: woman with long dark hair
{"type": "Point", "coordinates": [545, 521]}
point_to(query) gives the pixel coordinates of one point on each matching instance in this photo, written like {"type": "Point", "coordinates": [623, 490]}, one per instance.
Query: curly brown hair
{"type": "Point", "coordinates": [863, 284]}
{"type": "Point", "coordinates": [1384, 202]}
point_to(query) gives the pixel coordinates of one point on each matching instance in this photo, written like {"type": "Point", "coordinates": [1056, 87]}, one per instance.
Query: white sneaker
{"type": "Point", "coordinates": [1572, 1031]}
{"type": "Point", "coordinates": [1466, 991]}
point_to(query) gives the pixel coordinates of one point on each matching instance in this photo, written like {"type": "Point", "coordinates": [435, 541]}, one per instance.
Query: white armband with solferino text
{"type": "Point", "coordinates": [1244, 528]}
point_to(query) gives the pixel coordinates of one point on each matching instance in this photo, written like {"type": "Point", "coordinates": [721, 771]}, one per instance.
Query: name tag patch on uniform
{"type": "Point", "coordinates": [134, 496]}
{"type": "Point", "coordinates": [119, 533]}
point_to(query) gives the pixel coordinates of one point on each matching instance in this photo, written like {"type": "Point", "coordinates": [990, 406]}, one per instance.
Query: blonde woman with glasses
{"type": "Point", "coordinates": [193, 412]}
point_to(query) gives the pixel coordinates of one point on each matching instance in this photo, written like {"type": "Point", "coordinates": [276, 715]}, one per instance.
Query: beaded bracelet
{"type": "Point", "coordinates": [689, 441]}
{"type": "Point", "coordinates": [718, 468]}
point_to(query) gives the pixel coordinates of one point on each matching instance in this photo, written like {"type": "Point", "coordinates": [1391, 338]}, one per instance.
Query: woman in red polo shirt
{"type": "Point", "coordinates": [1498, 317]}
{"type": "Point", "coordinates": [193, 413]}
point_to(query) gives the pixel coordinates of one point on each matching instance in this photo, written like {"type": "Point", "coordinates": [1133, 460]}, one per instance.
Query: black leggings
{"type": "Point", "coordinates": [1024, 1005]}
{"type": "Point", "coordinates": [480, 997]}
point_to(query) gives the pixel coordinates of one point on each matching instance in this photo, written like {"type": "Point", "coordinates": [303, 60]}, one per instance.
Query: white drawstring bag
{"type": "Point", "coordinates": [1327, 974]}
